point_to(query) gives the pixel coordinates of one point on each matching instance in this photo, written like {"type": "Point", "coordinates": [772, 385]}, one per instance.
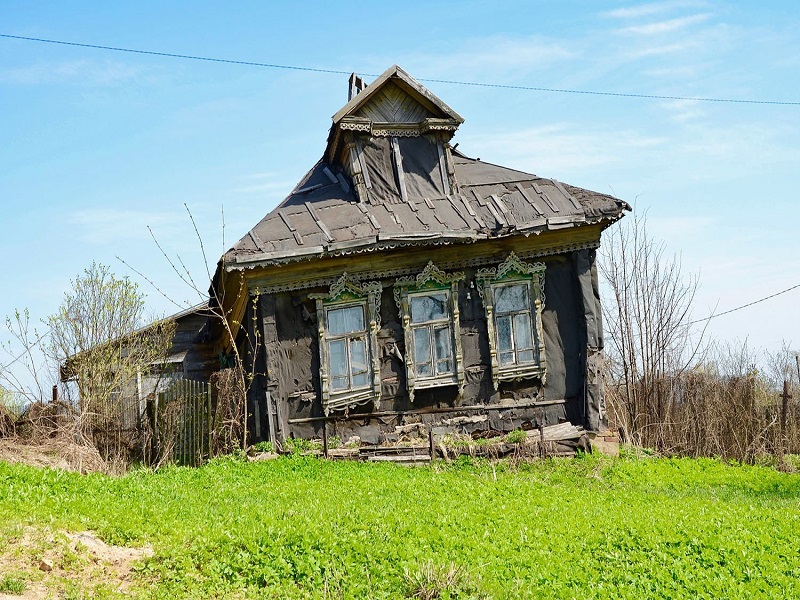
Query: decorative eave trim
{"type": "Point", "coordinates": [389, 273]}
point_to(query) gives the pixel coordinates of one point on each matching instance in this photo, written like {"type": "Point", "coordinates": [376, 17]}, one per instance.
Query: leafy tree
{"type": "Point", "coordinates": [99, 339]}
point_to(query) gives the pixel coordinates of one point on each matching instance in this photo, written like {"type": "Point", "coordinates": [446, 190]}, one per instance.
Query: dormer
{"type": "Point", "coordinates": [392, 139]}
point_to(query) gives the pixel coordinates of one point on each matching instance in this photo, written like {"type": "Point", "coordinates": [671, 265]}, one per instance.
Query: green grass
{"type": "Point", "coordinates": [300, 527]}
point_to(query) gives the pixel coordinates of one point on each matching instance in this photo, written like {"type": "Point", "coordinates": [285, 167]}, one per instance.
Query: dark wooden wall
{"type": "Point", "coordinates": [288, 361]}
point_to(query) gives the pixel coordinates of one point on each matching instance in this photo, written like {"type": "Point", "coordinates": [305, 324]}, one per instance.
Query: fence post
{"type": "Point", "coordinates": [785, 396]}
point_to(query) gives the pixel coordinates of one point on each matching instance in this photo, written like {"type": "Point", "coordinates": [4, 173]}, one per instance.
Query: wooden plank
{"type": "Point", "coordinates": [329, 174]}
{"type": "Point", "coordinates": [443, 168]}
{"type": "Point", "coordinates": [343, 183]}
{"type": "Point", "coordinates": [478, 197]}
{"type": "Point", "coordinates": [501, 221]}
{"type": "Point", "coordinates": [256, 240]}
{"type": "Point", "coordinates": [325, 231]}
{"type": "Point", "coordinates": [569, 196]}
{"type": "Point", "coordinates": [398, 163]}
{"type": "Point", "coordinates": [362, 164]}
{"type": "Point", "coordinates": [427, 411]}
{"type": "Point", "coordinates": [459, 212]}
{"type": "Point", "coordinates": [285, 218]}
{"type": "Point", "coordinates": [529, 199]}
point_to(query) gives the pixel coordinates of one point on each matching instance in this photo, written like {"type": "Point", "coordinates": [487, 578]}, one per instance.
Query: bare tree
{"type": "Point", "coordinates": [650, 342]}
{"type": "Point", "coordinates": [241, 339]}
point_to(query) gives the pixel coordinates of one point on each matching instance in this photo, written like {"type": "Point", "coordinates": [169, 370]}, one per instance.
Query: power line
{"type": "Point", "coordinates": [429, 80]}
{"type": "Point", "coordinates": [794, 287]}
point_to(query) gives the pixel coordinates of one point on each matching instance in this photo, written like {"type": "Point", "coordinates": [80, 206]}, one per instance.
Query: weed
{"type": "Point", "coordinates": [268, 447]}
{"type": "Point", "coordinates": [9, 584]}
{"type": "Point", "coordinates": [516, 437]}
{"type": "Point", "coordinates": [430, 581]}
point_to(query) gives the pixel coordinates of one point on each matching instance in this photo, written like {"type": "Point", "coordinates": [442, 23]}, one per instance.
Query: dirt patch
{"type": "Point", "coordinates": [51, 565]}
{"type": "Point", "coordinates": [57, 453]}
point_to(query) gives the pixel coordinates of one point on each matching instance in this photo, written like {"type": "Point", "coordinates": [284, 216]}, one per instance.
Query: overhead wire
{"type": "Point", "coordinates": [429, 80]}
{"type": "Point", "coordinates": [727, 312]}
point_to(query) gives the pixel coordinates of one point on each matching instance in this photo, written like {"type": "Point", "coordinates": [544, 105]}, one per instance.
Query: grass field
{"type": "Point", "coordinates": [306, 528]}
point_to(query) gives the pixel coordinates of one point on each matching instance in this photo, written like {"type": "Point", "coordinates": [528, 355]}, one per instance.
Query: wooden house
{"type": "Point", "coordinates": [402, 281]}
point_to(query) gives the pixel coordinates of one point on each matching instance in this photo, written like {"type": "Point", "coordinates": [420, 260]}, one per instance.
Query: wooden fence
{"type": "Point", "coordinates": [183, 423]}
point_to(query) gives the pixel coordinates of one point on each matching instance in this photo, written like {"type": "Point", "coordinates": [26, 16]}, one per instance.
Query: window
{"type": "Point", "coordinates": [347, 347]}
{"type": "Point", "coordinates": [349, 318]}
{"type": "Point", "coordinates": [512, 312]}
{"type": "Point", "coordinates": [430, 328]}
{"type": "Point", "coordinates": [428, 305]}
{"type": "Point", "coordinates": [513, 297]}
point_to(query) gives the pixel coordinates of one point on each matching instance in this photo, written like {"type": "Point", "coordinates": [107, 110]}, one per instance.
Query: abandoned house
{"type": "Point", "coordinates": [402, 281]}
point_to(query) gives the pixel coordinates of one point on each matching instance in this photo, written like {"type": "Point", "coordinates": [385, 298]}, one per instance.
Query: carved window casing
{"type": "Point", "coordinates": [428, 305]}
{"type": "Point", "coordinates": [348, 319]}
{"type": "Point", "coordinates": [513, 297]}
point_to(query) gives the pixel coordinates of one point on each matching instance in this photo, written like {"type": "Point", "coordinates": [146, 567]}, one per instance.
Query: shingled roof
{"type": "Point", "coordinates": [388, 178]}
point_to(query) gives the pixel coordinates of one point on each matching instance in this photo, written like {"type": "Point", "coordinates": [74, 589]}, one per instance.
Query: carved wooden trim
{"type": "Point", "coordinates": [387, 273]}
{"type": "Point", "coordinates": [347, 290]}
{"type": "Point", "coordinates": [511, 270]}
{"type": "Point", "coordinates": [431, 278]}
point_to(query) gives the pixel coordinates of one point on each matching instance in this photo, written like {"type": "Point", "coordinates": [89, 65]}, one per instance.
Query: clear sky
{"type": "Point", "coordinates": [98, 145]}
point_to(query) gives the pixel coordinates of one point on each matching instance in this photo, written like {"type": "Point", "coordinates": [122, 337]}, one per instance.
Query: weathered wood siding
{"type": "Point", "coordinates": [289, 388]}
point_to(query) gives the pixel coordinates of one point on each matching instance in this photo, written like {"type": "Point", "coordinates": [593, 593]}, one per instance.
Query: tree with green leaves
{"type": "Point", "coordinates": [101, 340]}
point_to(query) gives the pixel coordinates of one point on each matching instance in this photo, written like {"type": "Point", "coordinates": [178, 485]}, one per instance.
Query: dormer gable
{"type": "Point", "coordinates": [390, 130]}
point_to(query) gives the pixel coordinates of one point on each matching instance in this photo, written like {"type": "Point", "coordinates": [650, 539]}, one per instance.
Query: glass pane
{"type": "Point", "coordinates": [522, 331]}
{"type": "Point", "coordinates": [360, 380]}
{"type": "Point", "coordinates": [506, 358]}
{"type": "Point", "coordinates": [444, 366]}
{"type": "Point", "coordinates": [424, 369]}
{"type": "Point", "coordinates": [428, 308]}
{"type": "Point", "coordinates": [443, 346]}
{"type": "Point", "coordinates": [422, 345]}
{"type": "Point", "coordinates": [345, 320]}
{"type": "Point", "coordinates": [358, 356]}
{"type": "Point", "coordinates": [525, 356]}
{"type": "Point", "coordinates": [338, 353]}
{"type": "Point", "coordinates": [510, 298]}
{"type": "Point", "coordinates": [339, 383]}
{"type": "Point", "coordinates": [504, 333]}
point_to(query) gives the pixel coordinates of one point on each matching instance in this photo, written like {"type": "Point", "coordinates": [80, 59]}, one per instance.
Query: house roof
{"type": "Point", "coordinates": [324, 215]}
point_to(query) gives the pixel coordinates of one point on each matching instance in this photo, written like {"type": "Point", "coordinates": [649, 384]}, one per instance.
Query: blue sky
{"type": "Point", "coordinates": [99, 145]}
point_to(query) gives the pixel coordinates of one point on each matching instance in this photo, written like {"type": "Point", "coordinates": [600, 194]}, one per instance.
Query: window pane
{"type": "Point", "coordinates": [422, 344]}
{"type": "Point", "coordinates": [443, 350]}
{"type": "Point", "coordinates": [522, 331]}
{"type": "Point", "coordinates": [345, 320]}
{"type": "Point", "coordinates": [360, 380]}
{"type": "Point", "coordinates": [525, 356]}
{"type": "Point", "coordinates": [338, 353]}
{"type": "Point", "coordinates": [443, 346]}
{"type": "Point", "coordinates": [510, 298]}
{"type": "Point", "coordinates": [506, 358]}
{"type": "Point", "coordinates": [428, 308]}
{"type": "Point", "coordinates": [422, 351]}
{"type": "Point", "coordinates": [339, 383]}
{"type": "Point", "coordinates": [358, 356]}
{"type": "Point", "coordinates": [504, 333]}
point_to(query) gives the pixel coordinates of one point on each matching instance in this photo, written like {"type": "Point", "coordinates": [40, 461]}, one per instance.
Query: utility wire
{"type": "Point", "coordinates": [429, 80]}
{"type": "Point", "coordinates": [794, 287]}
